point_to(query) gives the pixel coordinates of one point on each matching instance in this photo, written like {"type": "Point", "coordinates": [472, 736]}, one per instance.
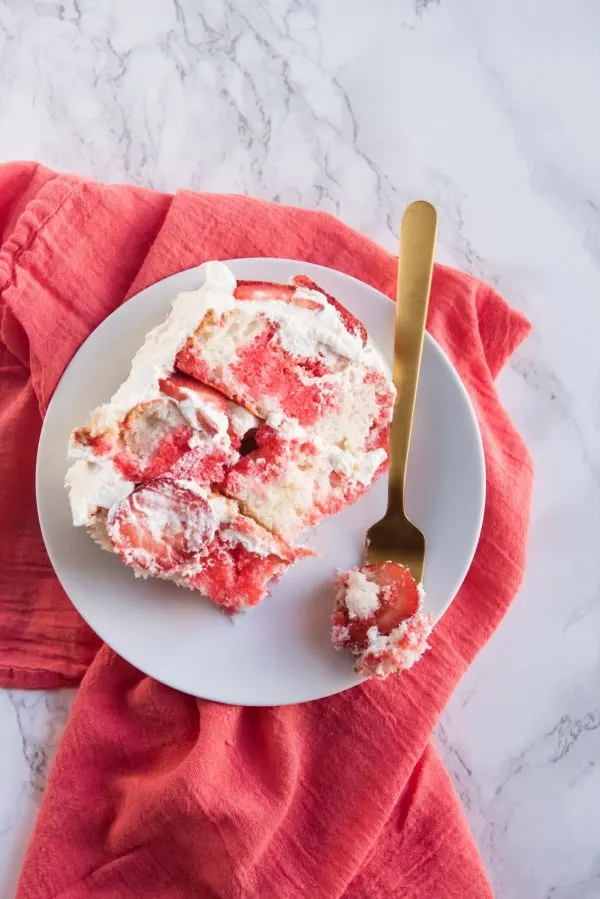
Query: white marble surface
{"type": "Point", "coordinates": [491, 111]}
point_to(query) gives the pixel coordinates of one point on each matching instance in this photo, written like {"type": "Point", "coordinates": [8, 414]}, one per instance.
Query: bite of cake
{"type": "Point", "coordinates": [378, 617]}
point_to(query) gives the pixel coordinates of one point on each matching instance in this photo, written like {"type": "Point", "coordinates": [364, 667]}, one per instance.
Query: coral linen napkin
{"type": "Point", "coordinates": [154, 793]}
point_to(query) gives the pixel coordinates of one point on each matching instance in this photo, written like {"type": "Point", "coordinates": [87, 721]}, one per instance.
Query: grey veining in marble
{"type": "Point", "coordinates": [488, 109]}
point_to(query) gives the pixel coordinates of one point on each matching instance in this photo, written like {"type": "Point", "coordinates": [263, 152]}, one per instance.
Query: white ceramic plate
{"type": "Point", "coordinates": [278, 653]}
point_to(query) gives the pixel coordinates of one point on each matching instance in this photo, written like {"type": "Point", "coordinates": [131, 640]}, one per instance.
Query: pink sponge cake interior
{"type": "Point", "coordinates": [249, 414]}
{"type": "Point", "coordinates": [286, 350]}
{"type": "Point", "coordinates": [291, 481]}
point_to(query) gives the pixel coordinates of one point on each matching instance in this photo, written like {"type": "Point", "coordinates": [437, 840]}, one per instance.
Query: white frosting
{"type": "Point", "coordinates": [223, 509]}
{"type": "Point", "coordinates": [377, 642]}
{"type": "Point", "coordinates": [287, 428]}
{"type": "Point", "coordinates": [94, 485]}
{"type": "Point", "coordinates": [193, 408]}
{"type": "Point", "coordinates": [343, 462]}
{"type": "Point", "coordinates": [359, 467]}
{"type": "Point", "coordinates": [156, 358]}
{"type": "Point", "coordinates": [242, 420]}
{"type": "Point", "coordinates": [98, 484]}
{"type": "Point", "coordinates": [258, 547]}
{"type": "Point", "coordinates": [361, 596]}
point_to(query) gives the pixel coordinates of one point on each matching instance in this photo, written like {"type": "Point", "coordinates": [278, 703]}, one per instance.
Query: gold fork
{"type": "Point", "coordinates": [395, 538]}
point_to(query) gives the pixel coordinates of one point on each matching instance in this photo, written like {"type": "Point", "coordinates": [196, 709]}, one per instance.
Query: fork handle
{"type": "Point", "coordinates": [415, 267]}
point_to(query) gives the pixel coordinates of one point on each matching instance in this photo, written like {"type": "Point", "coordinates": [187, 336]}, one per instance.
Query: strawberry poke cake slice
{"type": "Point", "coordinates": [249, 414]}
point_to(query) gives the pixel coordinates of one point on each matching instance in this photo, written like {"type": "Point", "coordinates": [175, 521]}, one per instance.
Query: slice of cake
{"type": "Point", "coordinates": [249, 414]}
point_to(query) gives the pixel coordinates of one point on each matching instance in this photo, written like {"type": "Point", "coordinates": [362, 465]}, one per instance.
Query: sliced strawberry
{"type": "Point", "coordinates": [263, 290]}
{"type": "Point", "coordinates": [399, 596]}
{"type": "Point", "coordinates": [160, 526]}
{"type": "Point", "coordinates": [180, 386]}
{"type": "Point", "coordinates": [351, 323]}
{"type": "Point", "coordinates": [398, 600]}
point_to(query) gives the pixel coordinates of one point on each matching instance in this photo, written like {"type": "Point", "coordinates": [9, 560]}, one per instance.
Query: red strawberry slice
{"type": "Point", "coordinates": [306, 303]}
{"type": "Point", "coordinates": [263, 290]}
{"type": "Point", "coordinates": [398, 600]}
{"type": "Point", "coordinates": [399, 596]}
{"type": "Point", "coordinates": [160, 526]}
{"type": "Point", "coordinates": [351, 323]}
{"type": "Point", "coordinates": [180, 386]}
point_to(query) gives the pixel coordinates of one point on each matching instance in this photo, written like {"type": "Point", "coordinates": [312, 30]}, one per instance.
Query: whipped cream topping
{"type": "Point", "coordinates": [242, 420]}
{"type": "Point", "coordinates": [156, 358]}
{"type": "Point", "coordinates": [358, 467]}
{"type": "Point", "coordinates": [193, 408]}
{"type": "Point", "coordinates": [93, 485]}
{"type": "Point", "coordinates": [260, 542]}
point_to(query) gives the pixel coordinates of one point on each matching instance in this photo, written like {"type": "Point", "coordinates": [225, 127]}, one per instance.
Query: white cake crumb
{"type": "Point", "coordinates": [362, 595]}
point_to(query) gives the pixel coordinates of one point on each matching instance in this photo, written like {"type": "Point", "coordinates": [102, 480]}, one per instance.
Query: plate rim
{"type": "Point", "coordinates": [434, 346]}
